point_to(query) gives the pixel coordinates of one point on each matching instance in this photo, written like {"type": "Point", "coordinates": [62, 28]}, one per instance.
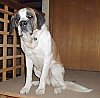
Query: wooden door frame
{"type": "Point", "coordinates": [51, 11]}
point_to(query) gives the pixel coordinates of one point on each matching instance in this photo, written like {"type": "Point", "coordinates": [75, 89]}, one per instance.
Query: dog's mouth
{"type": "Point", "coordinates": [25, 32]}
{"type": "Point", "coordinates": [26, 35]}
{"type": "Point", "coordinates": [27, 29]}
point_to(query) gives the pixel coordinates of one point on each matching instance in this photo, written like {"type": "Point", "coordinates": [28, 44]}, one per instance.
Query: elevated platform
{"type": "Point", "coordinates": [87, 79]}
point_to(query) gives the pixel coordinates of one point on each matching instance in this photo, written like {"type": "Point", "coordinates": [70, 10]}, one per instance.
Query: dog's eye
{"type": "Point", "coordinates": [30, 16]}
{"type": "Point", "coordinates": [17, 19]}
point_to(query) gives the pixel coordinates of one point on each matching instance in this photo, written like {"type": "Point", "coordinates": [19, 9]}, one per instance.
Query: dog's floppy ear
{"type": "Point", "coordinates": [40, 19]}
{"type": "Point", "coordinates": [13, 24]}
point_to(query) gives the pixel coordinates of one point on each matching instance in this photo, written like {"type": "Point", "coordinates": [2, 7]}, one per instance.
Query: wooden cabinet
{"type": "Point", "coordinates": [75, 26]}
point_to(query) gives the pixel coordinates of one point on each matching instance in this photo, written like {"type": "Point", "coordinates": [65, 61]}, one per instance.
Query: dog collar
{"type": "Point", "coordinates": [34, 38]}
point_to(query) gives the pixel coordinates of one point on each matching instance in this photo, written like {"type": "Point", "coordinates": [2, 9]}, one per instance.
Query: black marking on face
{"type": "Point", "coordinates": [29, 15]}
{"type": "Point", "coordinates": [17, 18]}
{"type": "Point", "coordinates": [14, 22]}
{"type": "Point", "coordinates": [40, 20]}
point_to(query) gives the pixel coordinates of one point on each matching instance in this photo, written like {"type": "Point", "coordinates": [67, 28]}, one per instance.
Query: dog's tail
{"type": "Point", "coordinates": [76, 87]}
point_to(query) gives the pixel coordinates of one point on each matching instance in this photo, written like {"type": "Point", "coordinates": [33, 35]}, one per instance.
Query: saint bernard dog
{"type": "Point", "coordinates": [40, 52]}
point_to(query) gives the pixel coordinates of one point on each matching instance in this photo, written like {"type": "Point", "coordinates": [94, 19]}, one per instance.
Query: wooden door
{"type": "Point", "coordinates": [75, 26]}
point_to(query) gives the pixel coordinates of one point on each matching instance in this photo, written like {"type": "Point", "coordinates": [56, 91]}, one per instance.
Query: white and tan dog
{"type": "Point", "coordinates": [40, 51]}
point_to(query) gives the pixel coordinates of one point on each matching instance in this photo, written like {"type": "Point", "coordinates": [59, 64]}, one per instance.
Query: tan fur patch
{"type": "Point", "coordinates": [35, 18]}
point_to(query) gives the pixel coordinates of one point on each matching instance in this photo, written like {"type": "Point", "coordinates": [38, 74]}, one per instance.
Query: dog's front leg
{"type": "Point", "coordinates": [41, 89]}
{"type": "Point", "coordinates": [28, 84]}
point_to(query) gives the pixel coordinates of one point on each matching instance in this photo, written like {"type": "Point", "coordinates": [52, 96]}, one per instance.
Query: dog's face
{"type": "Point", "coordinates": [26, 20]}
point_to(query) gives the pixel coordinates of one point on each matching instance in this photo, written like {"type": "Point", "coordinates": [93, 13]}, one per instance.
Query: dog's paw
{"type": "Point", "coordinates": [40, 91]}
{"type": "Point", "coordinates": [57, 90]}
{"type": "Point", "coordinates": [35, 83]}
{"type": "Point", "coordinates": [25, 90]}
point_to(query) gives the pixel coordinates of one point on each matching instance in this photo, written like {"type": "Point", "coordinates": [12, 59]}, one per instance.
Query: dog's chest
{"type": "Point", "coordinates": [38, 50]}
{"type": "Point", "coordinates": [37, 58]}
{"type": "Point", "coordinates": [36, 55]}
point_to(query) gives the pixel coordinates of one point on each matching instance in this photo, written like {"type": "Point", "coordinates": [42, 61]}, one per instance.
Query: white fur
{"type": "Point", "coordinates": [41, 57]}
{"type": "Point", "coordinates": [39, 53]}
{"type": "Point", "coordinates": [22, 13]}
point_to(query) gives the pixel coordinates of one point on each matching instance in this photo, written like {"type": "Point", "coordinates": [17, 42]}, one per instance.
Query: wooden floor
{"type": "Point", "coordinates": [87, 79]}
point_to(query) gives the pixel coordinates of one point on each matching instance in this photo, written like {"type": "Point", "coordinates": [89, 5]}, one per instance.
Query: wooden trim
{"type": "Point", "coordinates": [11, 68]}
{"type": "Point", "coordinates": [12, 3]}
{"type": "Point", "coordinates": [10, 57]}
{"type": "Point", "coordinates": [5, 44]}
{"type": "Point", "coordinates": [5, 12]}
{"type": "Point", "coordinates": [51, 11]}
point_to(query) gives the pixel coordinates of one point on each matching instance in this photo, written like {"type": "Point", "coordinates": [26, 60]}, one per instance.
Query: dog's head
{"type": "Point", "coordinates": [26, 20]}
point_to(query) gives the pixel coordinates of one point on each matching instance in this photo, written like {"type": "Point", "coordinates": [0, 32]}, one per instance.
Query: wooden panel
{"type": "Point", "coordinates": [76, 29]}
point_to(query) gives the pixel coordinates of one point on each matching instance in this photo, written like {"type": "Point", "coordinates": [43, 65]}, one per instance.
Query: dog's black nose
{"type": "Point", "coordinates": [23, 23]}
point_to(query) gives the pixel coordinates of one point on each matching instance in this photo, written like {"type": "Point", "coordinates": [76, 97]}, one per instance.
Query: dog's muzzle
{"type": "Point", "coordinates": [23, 23]}
{"type": "Point", "coordinates": [26, 26]}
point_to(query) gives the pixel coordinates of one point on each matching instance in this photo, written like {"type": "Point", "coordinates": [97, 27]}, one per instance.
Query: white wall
{"type": "Point", "coordinates": [45, 9]}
